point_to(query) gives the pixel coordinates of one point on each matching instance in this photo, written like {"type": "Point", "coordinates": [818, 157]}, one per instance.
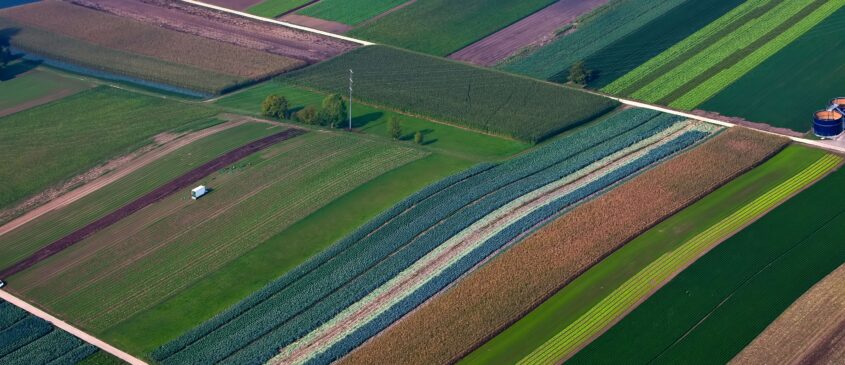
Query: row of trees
{"type": "Point", "coordinates": [330, 114]}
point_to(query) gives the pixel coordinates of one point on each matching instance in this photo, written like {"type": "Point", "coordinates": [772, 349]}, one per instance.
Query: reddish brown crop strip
{"type": "Point", "coordinates": [158, 194]}
{"type": "Point", "coordinates": [499, 293]}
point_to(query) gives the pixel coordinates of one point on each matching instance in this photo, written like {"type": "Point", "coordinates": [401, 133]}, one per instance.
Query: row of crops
{"type": "Point", "coordinates": [331, 304]}
{"type": "Point", "coordinates": [456, 93]}
{"type": "Point", "coordinates": [28, 340]}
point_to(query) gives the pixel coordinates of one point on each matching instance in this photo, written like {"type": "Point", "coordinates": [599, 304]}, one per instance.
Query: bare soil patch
{"type": "Point", "coordinates": [209, 23]}
{"type": "Point", "coordinates": [536, 28]}
{"type": "Point", "coordinates": [156, 195]}
{"type": "Point", "coordinates": [316, 23]}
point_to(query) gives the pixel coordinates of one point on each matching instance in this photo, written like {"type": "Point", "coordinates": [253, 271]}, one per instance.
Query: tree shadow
{"type": "Point", "coordinates": [363, 120]}
{"type": "Point", "coordinates": [13, 69]}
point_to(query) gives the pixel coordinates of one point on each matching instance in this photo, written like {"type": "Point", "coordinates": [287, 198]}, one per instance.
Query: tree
{"type": "Point", "coordinates": [419, 138]}
{"type": "Point", "coordinates": [579, 74]}
{"type": "Point", "coordinates": [308, 115]}
{"type": "Point", "coordinates": [333, 112]}
{"type": "Point", "coordinates": [394, 128]}
{"type": "Point", "coordinates": [275, 106]}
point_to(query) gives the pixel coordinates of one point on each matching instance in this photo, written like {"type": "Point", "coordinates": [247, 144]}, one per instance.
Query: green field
{"type": "Point", "coordinates": [274, 8]}
{"type": "Point", "coordinates": [602, 28]}
{"type": "Point", "coordinates": [148, 330]}
{"type": "Point", "coordinates": [23, 87]}
{"type": "Point", "coordinates": [350, 12]}
{"type": "Point", "coordinates": [55, 224]}
{"type": "Point", "coordinates": [713, 309]}
{"type": "Point", "coordinates": [785, 90]}
{"type": "Point", "coordinates": [438, 136]}
{"type": "Point", "coordinates": [456, 93]}
{"type": "Point", "coordinates": [440, 27]}
{"type": "Point", "coordinates": [627, 53]}
{"type": "Point", "coordinates": [571, 308]}
{"type": "Point", "coordinates": [49, 144]}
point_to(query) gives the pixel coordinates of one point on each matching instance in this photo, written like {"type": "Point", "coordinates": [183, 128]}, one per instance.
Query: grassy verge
{"type": "Point", "coordinates": [373, 120]}
{"type": "Point", "coordinates": [274, 8]}
{"type": "Point", "coordinates": [149, 329]}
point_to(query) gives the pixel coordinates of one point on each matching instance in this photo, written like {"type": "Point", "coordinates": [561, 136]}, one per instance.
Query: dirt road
{"type": "Point", "coordinates": [124, 169]}
{"type": "Point", "coordinates": [70, 329]}
{"type": "Point", "coordinates": [534, 29]}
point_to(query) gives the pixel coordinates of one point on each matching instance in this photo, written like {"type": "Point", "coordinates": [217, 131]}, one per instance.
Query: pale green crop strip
{"type": "Point", "coordinates": [689, 43]}
{"type": "Point", "coordinates": [522, 206]}
{"type": "Point", "coordinates": [728, 76]}
{"type": "Point", "coordinates": [650, 278]}
{"type": "Point", "coordinates": [722, 49]}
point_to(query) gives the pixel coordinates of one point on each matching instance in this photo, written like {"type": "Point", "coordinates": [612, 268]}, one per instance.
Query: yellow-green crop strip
{"type": "Point", "coordinates": [591, 323]}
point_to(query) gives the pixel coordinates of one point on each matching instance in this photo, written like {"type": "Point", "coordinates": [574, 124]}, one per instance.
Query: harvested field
{"type": "Point", "coordinates": [513, 283]}
{"type": "Point", "coordinates": [316, 23]}
{"type": "Point", "coordinates": [178, 241]}
{"type": "Point", "coordinates": [184, 17]}
{"type": "Point", "coordinates": [467, 96]}
{"type": "Point", "coordinates": [181, 182]}
{"type": "Point", "coordinates": [535, 29]}
{"type": "Point", "coordinates": [134, 37]}
{"type": "Point", "coordinates": [807, 332]}
{"type": "Point", "coordinates": [441, 27]}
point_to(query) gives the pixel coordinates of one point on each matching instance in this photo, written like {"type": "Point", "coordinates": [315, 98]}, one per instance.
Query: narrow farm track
{"type": "Point", "coordinates": [114, 175]}
{"type": "Point", "coordinates": [179, 183]}
{"type": "Point", "coordinates": [70, 329]}
{"type": "Point", "coordinates": [637, 288]}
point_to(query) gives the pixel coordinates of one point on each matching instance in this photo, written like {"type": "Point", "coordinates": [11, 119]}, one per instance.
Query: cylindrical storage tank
{"type": "Point", "coordinates": [838, 104]}
{"type": "Point", "coordinates": [827, 124]}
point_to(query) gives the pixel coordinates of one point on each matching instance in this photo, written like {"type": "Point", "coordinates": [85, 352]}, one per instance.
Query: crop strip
{"type": "Point", "coordinates": [661, 270]}
{"type": "Point", "coordinates": [160, 193]}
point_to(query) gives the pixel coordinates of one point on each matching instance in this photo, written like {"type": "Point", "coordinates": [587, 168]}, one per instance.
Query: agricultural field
{"type": "Point", "coordinates": [350, 12]}
{"type": "Point", "coordinates": [437, 136]}
{"type": "Point", "coordinates": [28, 340]}
{"type": "Point", "coordinates": [25, 86]}
{"type": "Point", "coordinates": [809, 331]}
{"type": "Point", "coordinates": [807, 79]}
{"type": "Point", "coordinates": [511, 284]}
{"type": "Point", "coordinates": [568, 319]}
{"type": "Point", "coordinates": [146, 256]}
{"type": "Point", "coordinates": [46, 145]}
{"type": "Point", "coordinates": [708, 61]}
{"type": "Point", "coordinates": [353, 290]}
{"type": "Point", "coordinates": [713, 309]}
{"type": "Point", "coordinates": [274, 8]}
{"type": "Point", "coordinates": [43, 23]}
{"type": "Point", "coordinates": [455, 93]}
{"type": "Point", "coordinates": [440, 27]}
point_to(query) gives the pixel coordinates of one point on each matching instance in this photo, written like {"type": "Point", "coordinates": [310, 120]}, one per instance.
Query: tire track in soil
{"type": "Point", "coordinates": [156, 195]}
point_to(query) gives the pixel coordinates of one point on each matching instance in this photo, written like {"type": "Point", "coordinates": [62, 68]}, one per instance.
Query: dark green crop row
{"type": "Point", "coordinates": [28, 340]}
{"type": "Point", "coordinates": [456, 93]}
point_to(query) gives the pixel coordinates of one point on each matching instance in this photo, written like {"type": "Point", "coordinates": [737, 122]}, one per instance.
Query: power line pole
{"type": "Point", "coordinates": [350, 99]}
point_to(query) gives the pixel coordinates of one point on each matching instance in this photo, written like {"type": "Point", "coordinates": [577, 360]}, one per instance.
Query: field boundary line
{"type": "Point", "coordinates": [277, 22]}
{"type": "Point", "coordinates": [809, 142]}
{"type": "Point", "coordinates": [102, 345]}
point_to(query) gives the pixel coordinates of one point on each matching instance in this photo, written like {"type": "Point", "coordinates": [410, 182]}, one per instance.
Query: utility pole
{"type": "Point", "coordinates": [350, 99]}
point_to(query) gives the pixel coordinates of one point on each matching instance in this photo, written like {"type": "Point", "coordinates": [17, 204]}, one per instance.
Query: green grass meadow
{"type": "Point", "coordinates": [599, 282]}
{"type": "Point", "coordinates": [440, 27]}
{"type": "Point", "coordinates": [785, 90]}
{"type": "Point", "coordinates": [46, 145]}
{"type": "Point", "coordinates": [713, 309]}
{"type": "Point", "coordinates": [147, 330]}
{"type": "Point", "coordinates": [24, 85]}
{"type": "Point", "coordinates": [438, 137]}
{"type": "Point", "coordinates": [349, 12]}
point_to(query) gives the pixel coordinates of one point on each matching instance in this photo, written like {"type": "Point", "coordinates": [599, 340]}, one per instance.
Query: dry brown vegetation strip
{"type": "Point", "coordinates": [808, 332]}
{"type": "Point", "coordinates": [515, 282]}
{"type": "Point", "coordinates": [128, 35]}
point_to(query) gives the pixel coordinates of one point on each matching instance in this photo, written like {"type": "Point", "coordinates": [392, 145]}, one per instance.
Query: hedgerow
{"type": "Point", "coordinates": [350, 274]}
{"type": "Point", "coordinates": [508, 234]}
{"type": "Point", "coordinates": [480, 99]}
